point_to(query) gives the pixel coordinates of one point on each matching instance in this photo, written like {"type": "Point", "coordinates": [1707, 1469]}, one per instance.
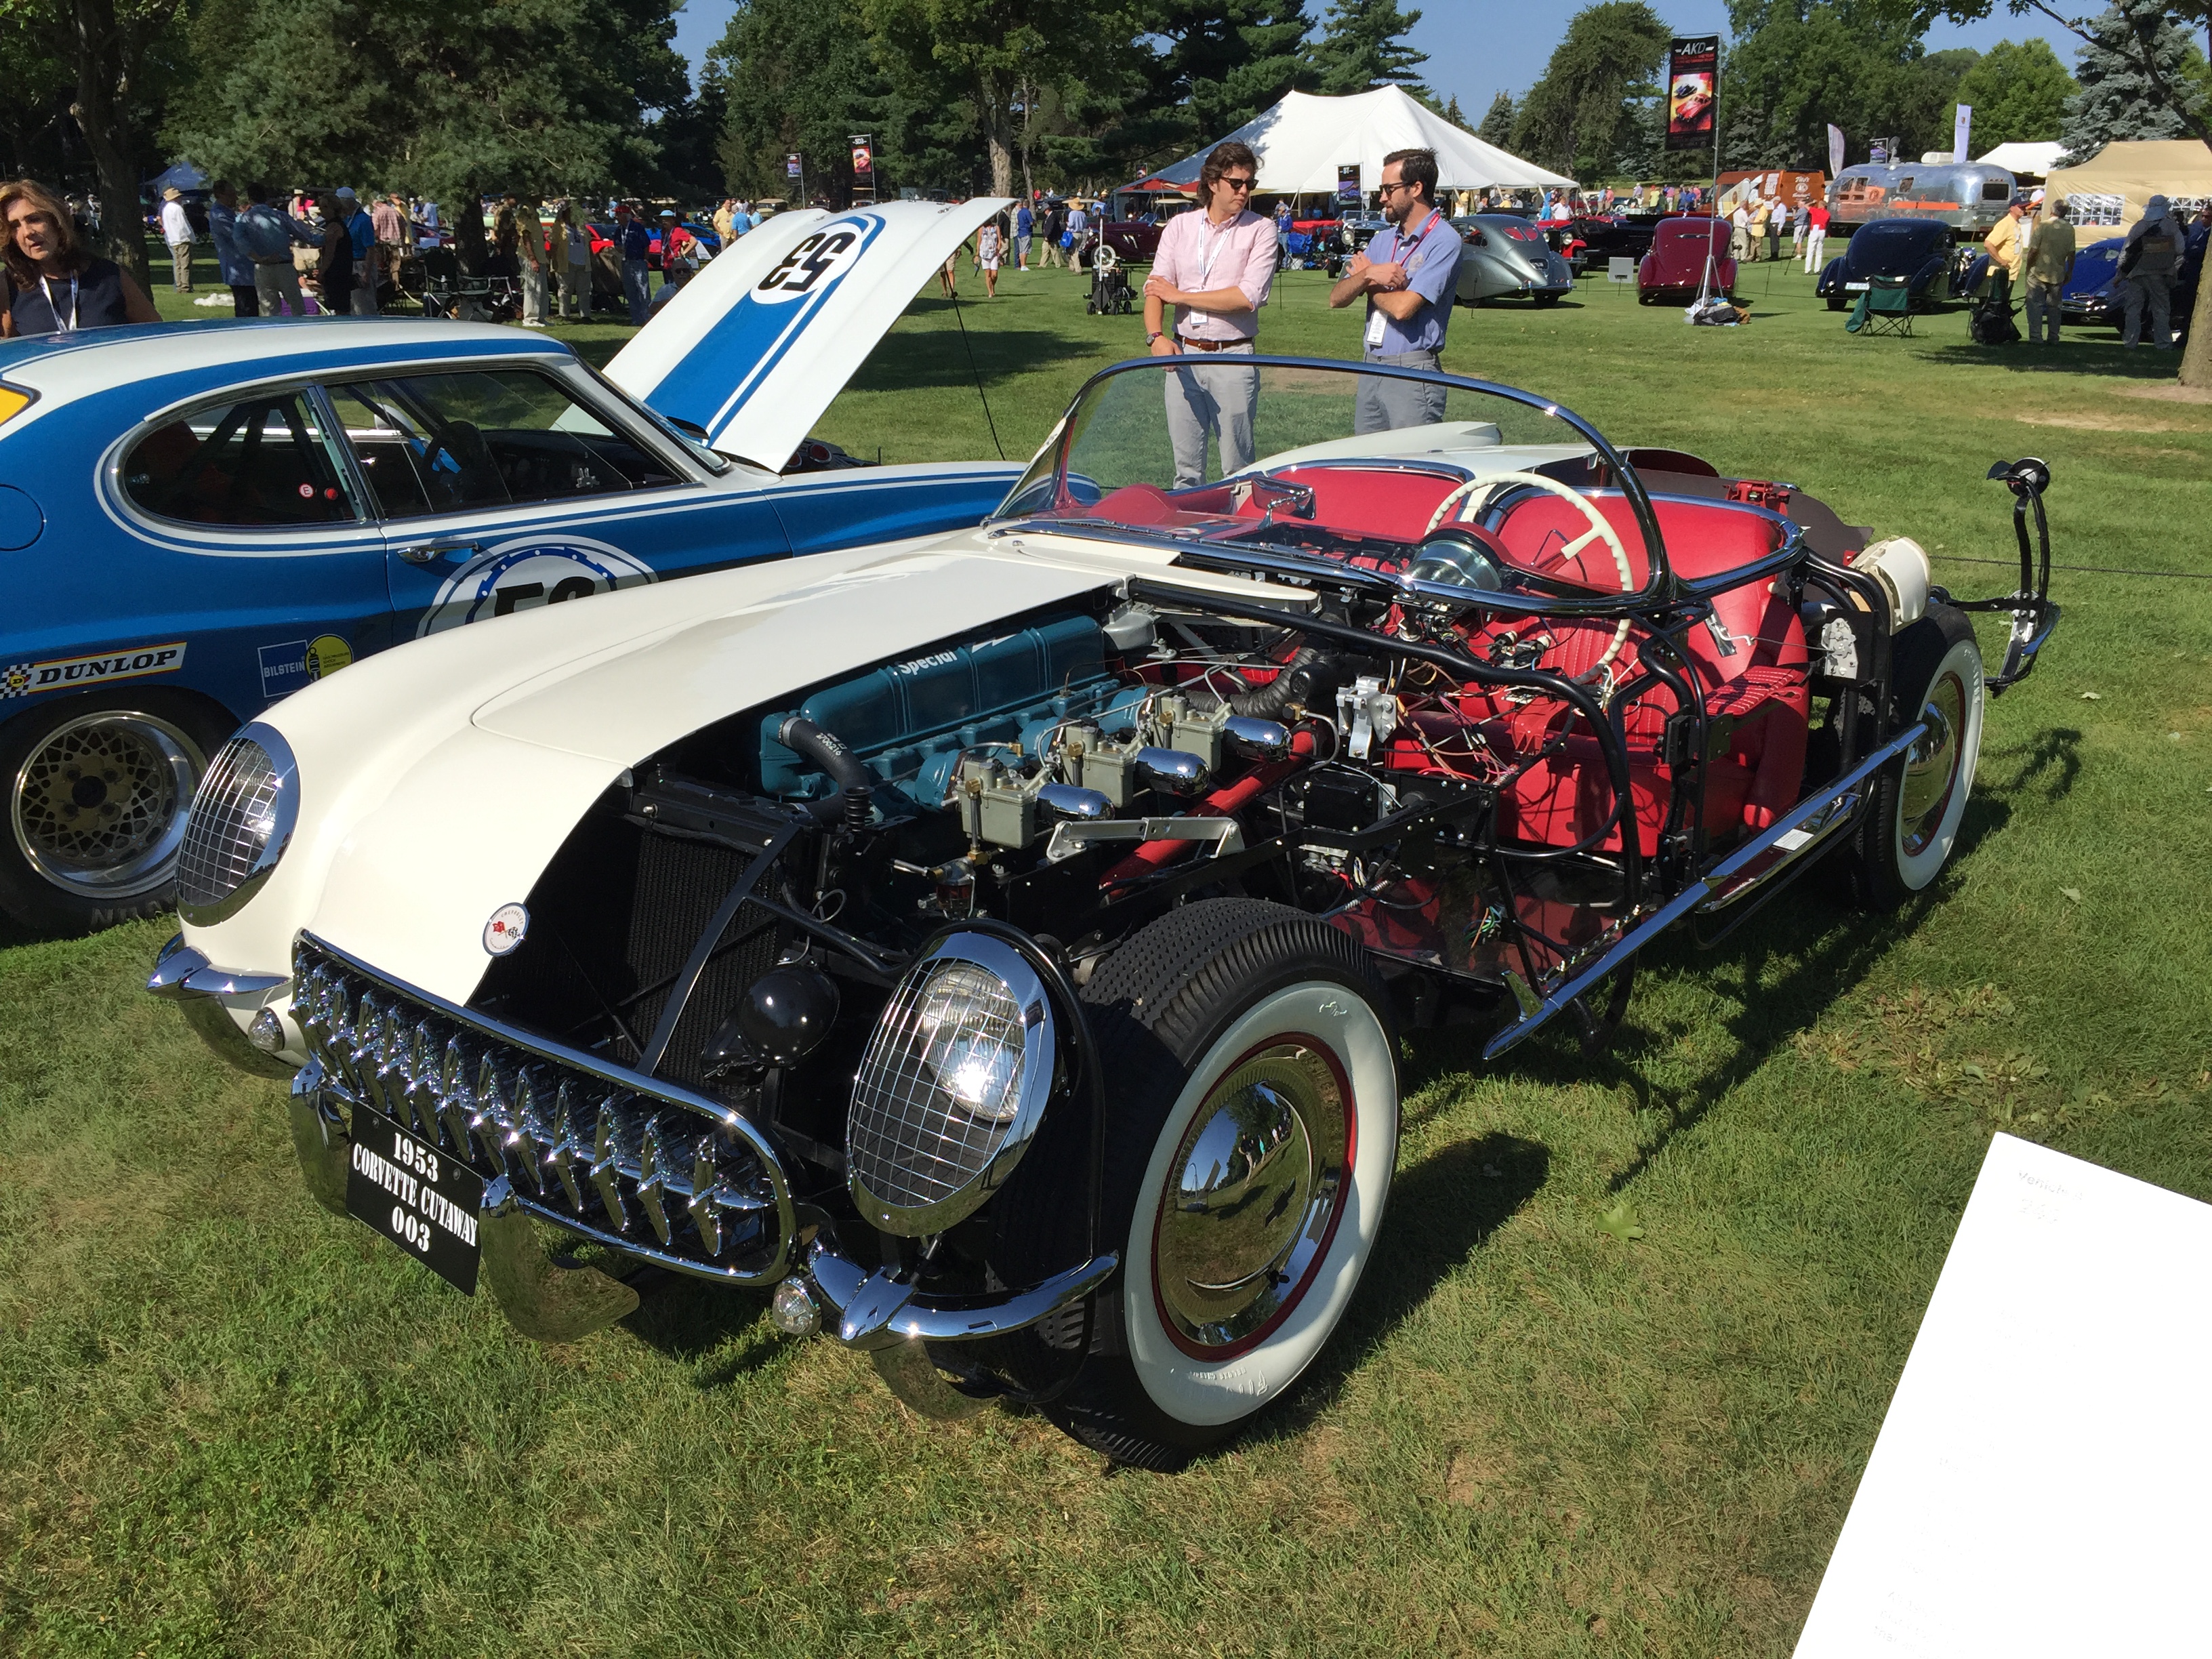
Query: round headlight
{"type": "Point", "coordinates": [240, 825]}
{"type": "Point", "coordinates": [952, 1087]}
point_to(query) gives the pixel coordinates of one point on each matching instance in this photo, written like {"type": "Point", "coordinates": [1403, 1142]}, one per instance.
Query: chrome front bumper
{"type": "Point", "coordinates": [659, 1175]}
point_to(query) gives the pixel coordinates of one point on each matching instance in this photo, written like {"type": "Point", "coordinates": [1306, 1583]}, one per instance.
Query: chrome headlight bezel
{"type": "Point", "coordinates": [992, 1144]}
{"type": "Point", "coordinates": [217, 793]}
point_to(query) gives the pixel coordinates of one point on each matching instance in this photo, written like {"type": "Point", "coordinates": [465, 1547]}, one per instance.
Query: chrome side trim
{"type": "Point", "coordinates": [1827, 808]}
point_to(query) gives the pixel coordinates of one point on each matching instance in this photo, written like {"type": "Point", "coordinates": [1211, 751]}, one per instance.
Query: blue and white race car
{"type": "Point", "coordinates": [196, 519]}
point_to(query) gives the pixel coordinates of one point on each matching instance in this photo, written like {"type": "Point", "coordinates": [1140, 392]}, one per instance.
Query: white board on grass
{"type": "Point", "coordinates": [2043, 1482]}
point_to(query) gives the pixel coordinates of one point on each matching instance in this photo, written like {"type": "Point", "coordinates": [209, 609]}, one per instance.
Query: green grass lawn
{"type": "Point", "coordinates": [231, 1423]}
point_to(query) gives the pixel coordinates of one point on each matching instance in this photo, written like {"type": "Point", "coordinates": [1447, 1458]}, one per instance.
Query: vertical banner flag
{"type": "Point", "coordinates": [864, 157]}
{"type": "Point", "coordinates": [1835, 149]}
{"type": "Point", "coordinates": [1694, 71]}
{"type": "Point", "coordinates": [791, 167]}
{"type": "Point", "coordinates": [1962, 128]}
{"type": "Point", "coordinates": [1347, 185]}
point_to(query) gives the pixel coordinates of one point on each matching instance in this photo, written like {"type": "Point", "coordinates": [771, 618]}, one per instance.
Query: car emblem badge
{"type": "Point", "coordinates": [505, 928]}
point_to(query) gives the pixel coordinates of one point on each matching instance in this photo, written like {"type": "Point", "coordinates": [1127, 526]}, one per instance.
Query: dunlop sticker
{"type": "Point", "coordinates": [26, 679]}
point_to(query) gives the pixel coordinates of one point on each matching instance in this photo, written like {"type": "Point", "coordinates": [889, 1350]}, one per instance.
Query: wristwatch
{"type": "Point", "coordinates": [1154, 335]}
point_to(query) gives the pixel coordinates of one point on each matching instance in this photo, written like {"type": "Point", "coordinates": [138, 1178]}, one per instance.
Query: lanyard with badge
{"type": "Point", "coordinates": [1378, 318]}
{"type": "Point", "coordinates": [47, 286]}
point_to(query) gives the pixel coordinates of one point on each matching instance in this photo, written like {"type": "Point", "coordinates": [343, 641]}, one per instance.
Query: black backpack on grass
{"type": "Point", "coordinates": [1991, 323]}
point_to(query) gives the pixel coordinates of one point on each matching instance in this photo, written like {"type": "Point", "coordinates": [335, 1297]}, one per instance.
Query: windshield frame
{"type": "Point", "coordinates": [1658, 587]}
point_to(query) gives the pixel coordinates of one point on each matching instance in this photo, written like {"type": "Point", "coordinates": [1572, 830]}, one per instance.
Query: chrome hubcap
{"type": "Point", "coordinates": [98, 809]}
{"type": "Point", "coordinates": [1252, 1199]}
{"type": "Point", "coordinates": [1931, 765]}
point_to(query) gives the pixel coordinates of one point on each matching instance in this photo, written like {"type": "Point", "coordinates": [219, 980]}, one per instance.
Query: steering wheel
{"type": "Point", "coordinates": [465, 444]}
{"type": "Point", "coordinates": [1470, 498]}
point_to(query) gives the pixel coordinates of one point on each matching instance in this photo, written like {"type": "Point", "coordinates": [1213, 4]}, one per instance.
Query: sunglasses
{"type": "Point", "coordinates": [1238, 184]}
{"type": "Point", "coordinates": [1385, 188]}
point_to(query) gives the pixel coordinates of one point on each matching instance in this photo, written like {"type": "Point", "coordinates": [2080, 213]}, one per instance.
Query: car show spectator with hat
{"type": "Point", "coordinates": [1079, 227]}
{"type": "Point", "coordinates": [1408, 275]}
{"type": "Point", "coordinates": [177, 231]}
{"type": "Point", "coordinates": [50, 282]}
{"type": "Point", "coordinates": [389, 217]}
{"type": "Point", "coordinates": [230, 260]}
{"type": "Point", "coordinates": [2049, 264]}
{"type": "Point", "coordinates": [266, 235]}
{"type": "Point", "coordinates": [1210, 275]}
{"type": "Point", "coordinates": [569, 249]}
{"type": "Point", "coordinates": [2149, 260]}
{"type": "Point", "coordinates": [2005, 251]}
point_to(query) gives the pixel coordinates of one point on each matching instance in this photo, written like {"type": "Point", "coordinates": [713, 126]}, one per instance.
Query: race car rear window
{"type": "Point", "coordinates": [261, 461]}
{"type": "Point", "coordinates": [485, 438]}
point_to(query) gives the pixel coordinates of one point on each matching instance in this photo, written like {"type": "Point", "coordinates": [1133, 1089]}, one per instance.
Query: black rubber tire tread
{"type": "Point", "coordinates": [1869, 864]}
{"type": "Point", "coordinates": [27, 896]}
{"type": "Point", "coordinates": [1157, 1005]}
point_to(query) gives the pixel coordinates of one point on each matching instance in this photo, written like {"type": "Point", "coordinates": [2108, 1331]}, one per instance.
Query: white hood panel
{"type": "Point", "coordinates": [754, 348]}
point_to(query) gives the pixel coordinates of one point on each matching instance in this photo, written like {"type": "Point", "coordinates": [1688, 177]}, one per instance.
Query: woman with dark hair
{"type": "Point", "coordinates": [53, 283]}
{"type": "Point", "coordinates": [334, 270]}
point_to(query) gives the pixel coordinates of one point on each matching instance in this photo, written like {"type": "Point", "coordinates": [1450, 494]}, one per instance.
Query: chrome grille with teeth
{"type": "Point", "coordinates": [674, 1178]}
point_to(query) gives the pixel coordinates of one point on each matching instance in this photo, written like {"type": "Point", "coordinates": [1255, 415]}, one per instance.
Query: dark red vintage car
{"type": "Point", "coordinates": [1676, 267]}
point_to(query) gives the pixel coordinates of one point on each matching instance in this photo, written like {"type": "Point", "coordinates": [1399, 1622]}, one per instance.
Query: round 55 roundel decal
{"type": "Point", "coordinates": [522, 575]}
{"type": "Point", "coordinates": [820, 259]}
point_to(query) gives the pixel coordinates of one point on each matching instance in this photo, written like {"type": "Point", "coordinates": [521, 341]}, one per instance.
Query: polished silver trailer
{"type": "Point", "coordinates": [1968, 195]}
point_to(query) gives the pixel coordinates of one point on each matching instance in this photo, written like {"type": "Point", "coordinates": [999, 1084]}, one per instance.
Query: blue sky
{"type": "Point", "coordinates": [1476, 47]}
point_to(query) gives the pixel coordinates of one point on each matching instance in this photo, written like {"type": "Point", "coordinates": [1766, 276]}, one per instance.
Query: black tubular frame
{"type": "Point", "coordinates": [2032, 614]}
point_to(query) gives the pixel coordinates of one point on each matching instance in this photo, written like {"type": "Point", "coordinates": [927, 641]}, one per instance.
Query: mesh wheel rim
{"type": "Point", "coordinates": [98, 805]}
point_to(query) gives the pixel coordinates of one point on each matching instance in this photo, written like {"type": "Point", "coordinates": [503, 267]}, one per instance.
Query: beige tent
{"type": "Point", "coordinates": [2106, 194]}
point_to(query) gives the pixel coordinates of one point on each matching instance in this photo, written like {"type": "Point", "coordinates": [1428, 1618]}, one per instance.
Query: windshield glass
{"type": "Point", "coordinates": [1322, 459]}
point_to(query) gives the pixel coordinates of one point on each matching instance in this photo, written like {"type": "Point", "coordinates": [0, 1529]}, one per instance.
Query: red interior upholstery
{"type": "Point", "coordinates": [1381, 503]}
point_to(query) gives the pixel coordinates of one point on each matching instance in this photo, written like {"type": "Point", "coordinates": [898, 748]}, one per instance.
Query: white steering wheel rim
{"type": "Point", "coordinates": [1465, 496]}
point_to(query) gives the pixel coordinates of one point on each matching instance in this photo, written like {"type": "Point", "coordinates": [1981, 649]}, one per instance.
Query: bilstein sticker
{"type": "Point", "coordinates": [287, 667]}
{"type": "Point", "coordinates": [27, 679]}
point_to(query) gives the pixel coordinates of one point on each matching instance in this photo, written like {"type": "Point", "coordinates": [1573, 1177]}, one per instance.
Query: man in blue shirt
{"type": "Point", "coordinates": [1408, 275]}
{"type": "Point", "coordinates": [636, 241]}
{"type": "Point", "coordinates": [361, 229]}
{"type": "Point", "coordinates": [1024, 228]}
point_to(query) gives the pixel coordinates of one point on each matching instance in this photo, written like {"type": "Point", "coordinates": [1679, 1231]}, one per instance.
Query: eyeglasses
{"type": "Point", "coordinates": [1244, 184]}
{"type": "Point", "coordinates": [1387, 186]}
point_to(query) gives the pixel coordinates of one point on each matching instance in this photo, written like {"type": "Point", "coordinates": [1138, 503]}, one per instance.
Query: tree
{"type": "Point", "coordinates": [1576, 117]}
{"type": "Point", "coordinates": [992, 49]}
{"type": "Point", "coordinates": [2126, 54]}
{"type": "Point", "coordinates": [1801, 67]}
{"type": "Point", "coordinates": [449, 98]}
{"type": "Point", "coordinates": [1453, 113]}
{"type": "Point", "coordinates": [2018, 91]}
{"type": "Point", "coordinates": [1363, 45]}
{"type": "Point", "coordinates": [801, 74]}
{"type": "Point", "coordinates": [1227, 60]}
{"type": "Point", "coordinates": [1496, 126]}
{"type": "Point", "coordinates": [102, 52]}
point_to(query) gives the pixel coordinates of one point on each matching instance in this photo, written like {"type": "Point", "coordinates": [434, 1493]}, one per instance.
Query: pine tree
{"type": "Point", "coordinates": [2118, 100]}
{"type": "Point", "coordinates": [1363, 46]}
{"type": "Point", "coordinates": [1496, 126]}
{"type": "Point", "coordinates": [1453, 113]}
{"type": "Point", "coordinates": [1575, 118]}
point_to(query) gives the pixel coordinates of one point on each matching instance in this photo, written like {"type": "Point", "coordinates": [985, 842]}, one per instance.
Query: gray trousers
{"type": "Point", "coordinates": [2155, 290]}
{"type": "Point", "coordinates": [278, 283]}
{"type": "Point", "coordinates": [1384, 404]}
{"type": "Point", "coordinates": [2042, 308]}
{"type": "Point", "coordinates": [575, 284]}
{"type": "Point", "coordinates": [1208, 394]}
{"type": "Point", "coordinates": [533, 293]}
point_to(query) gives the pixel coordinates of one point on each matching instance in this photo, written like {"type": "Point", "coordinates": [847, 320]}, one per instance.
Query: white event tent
{"type": "Point", "coordinates": [2034, 161]}
{"type": "Point", "coordinates": [1302, 142]}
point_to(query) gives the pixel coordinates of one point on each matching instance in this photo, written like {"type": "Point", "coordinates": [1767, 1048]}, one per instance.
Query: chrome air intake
{"type": "Point", "coordinates": [953, 1086]}
{"type": "Point", "coordinates": [646, 1167]}
{"type": "Point", "coordinates": [240, 825]}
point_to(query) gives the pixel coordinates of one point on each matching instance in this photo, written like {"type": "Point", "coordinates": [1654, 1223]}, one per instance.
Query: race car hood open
{"type": "Point", "coordinates": [752, 350]}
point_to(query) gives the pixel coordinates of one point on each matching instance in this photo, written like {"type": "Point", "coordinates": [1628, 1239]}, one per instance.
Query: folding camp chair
{"type": "Point", "coordinates": [1885, 308]}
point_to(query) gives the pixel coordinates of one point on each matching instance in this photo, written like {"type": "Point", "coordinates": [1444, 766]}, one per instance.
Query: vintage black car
{"type": "Point", "coordinates": [1917, 249]}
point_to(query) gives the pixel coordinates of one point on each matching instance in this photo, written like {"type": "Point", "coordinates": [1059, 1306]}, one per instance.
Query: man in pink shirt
{"type": "Point", "coordinates": [1215, 267]}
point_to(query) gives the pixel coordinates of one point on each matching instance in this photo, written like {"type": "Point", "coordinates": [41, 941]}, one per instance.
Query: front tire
{"type": "Point", "coordinates": [96, 790]}
{"type": "Point", "coordinates": [1912, 821]}
{"type": "Point", "coordinates": [1251, 1139]}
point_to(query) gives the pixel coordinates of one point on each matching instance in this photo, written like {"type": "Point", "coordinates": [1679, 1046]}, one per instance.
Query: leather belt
{"type": "Point", "coordinates": [1189, 344]}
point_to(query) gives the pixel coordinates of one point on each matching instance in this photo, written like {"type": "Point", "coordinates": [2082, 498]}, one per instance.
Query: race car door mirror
{"type": "Point", "coordinates": [261, 461]}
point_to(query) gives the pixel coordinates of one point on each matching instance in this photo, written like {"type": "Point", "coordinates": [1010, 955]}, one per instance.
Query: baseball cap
{"type": "Point", "coordinates": [344, 193]}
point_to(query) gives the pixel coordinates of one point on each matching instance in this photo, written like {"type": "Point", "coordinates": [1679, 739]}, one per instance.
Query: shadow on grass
{"type": "Point", "coordinates": [2077, 358]}
{"type": "Point", "coordinates": [690, 1319]}
{"type": "Point", "coordinates": [1442, 1210]}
